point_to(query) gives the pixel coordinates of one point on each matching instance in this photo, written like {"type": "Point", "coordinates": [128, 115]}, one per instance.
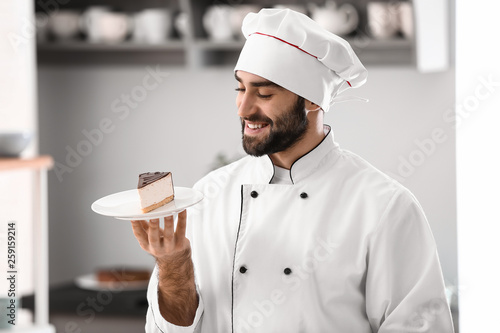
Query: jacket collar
{"type": "Point", "coordinates": [304, 165]}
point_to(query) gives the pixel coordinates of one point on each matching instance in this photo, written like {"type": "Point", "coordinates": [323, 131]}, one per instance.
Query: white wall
{"type": "Point", "coordinates": [405, 132]}
{"type": "Point", "coordinates": [191, 116]}
{"type": "Point", "coordinates": [17, 112]}
{"type": "Point", "coordinates": [478, 163]}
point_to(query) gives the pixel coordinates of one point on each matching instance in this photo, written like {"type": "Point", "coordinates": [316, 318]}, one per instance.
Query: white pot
{"type": "Point", "coordinates": [152, 25]}
{"type": "Point", "coordinates": [340, 20]}
{"type": "Point", "coordinates": [102, 25]}
{"type": "Point", "coordinates": [406, 23]}
{"type": "Point", "coordinates": [64, 24]}
{"type": "Point", "coordinates": [383, 19]}
{"type": "Point", "coordinates": [217, 22]}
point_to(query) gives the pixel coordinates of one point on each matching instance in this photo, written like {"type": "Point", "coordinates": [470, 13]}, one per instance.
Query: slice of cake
{"type": "Point", "coordinates": [155, 190]}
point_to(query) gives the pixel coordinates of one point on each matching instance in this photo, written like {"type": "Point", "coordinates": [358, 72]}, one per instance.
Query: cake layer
{"type": "Point", "coordinates": [159, 204]}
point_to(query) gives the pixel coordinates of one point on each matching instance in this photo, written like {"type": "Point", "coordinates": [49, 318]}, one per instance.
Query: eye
{"type": "Point", "coordinates": [264, 92]}
{"type": "Point", "coordinates": [264, 96]}
{"type": "Point", "coordinates": [240, 89]}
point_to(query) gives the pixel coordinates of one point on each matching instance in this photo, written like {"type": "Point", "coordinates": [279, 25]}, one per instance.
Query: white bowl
{"type": "Point", "coordinates": [14, 142]}
{"type": "Point", "coordinates": [64, 24]}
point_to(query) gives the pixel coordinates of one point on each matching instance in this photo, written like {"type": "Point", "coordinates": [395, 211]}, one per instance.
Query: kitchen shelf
{"type": "Point", "coordinates": [41, 162]}
{"type": "Point", "coordinates": [82, 46]}
{"type": "Point", "coordinates": [192, 49]}
{"type": "Point", "coordinates": [381, 44]}
{"type": "Point", "coordinates": [231, 45]}
{"type": "Point", "coordinates": [126, 53]}
{"type": "Point", "coordinates": [388, 52]}
{"type": "Point", "coordinates": [203, 52]}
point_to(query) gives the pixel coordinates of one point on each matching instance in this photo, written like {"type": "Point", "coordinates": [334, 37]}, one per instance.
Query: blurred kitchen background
{"type": "Point", "coordinates": [112, 89]}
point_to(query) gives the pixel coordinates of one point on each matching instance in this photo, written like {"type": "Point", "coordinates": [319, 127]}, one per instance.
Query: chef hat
{"type": "Point", "coordinates": [293, 51]}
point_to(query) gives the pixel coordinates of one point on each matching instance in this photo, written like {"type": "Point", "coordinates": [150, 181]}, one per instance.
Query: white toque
{"type": "Point", "coordinates": [291, 50]}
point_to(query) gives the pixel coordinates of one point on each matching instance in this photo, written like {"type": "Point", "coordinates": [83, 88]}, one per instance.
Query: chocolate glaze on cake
{"type": "Point", "coordinates": [150, 177]}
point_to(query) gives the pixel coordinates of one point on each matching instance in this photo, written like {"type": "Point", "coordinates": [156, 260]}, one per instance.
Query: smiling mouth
{"type": "Point", "coordinates": [256, 126]}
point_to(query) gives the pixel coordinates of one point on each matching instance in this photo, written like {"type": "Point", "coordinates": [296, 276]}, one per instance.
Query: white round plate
{"type": "Point", "coordinates": [126, 205]}
{"type": "Point", "coordinates": [90, 282]}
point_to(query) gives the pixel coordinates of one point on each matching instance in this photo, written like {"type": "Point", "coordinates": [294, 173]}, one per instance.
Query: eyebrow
{"type": "Point", "coordinates": [264, 83]}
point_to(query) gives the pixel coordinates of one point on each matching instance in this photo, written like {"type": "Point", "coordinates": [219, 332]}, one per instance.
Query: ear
{"type": "Point", "coordinates": [310, 106]}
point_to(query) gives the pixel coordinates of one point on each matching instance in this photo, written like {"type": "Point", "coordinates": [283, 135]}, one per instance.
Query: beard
{"type": "Point", "coordinates": [284, 132]}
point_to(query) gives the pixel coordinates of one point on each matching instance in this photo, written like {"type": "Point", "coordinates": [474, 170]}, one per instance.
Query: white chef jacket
{"type": "Point", "coordinates": [343, 249]}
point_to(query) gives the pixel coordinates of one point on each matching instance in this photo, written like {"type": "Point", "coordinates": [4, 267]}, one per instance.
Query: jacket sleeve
{"type": "Point", "coordinates": [404, 283]}
{"type": "Point", "coordinates": [155, 323]}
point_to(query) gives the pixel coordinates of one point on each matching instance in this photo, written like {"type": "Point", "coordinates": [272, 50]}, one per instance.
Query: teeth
{"type": "Point", "coordinates": [254, 126]}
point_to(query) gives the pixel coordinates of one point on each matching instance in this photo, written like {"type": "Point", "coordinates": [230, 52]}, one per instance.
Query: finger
{"type": "Point", "coordinates": [145, 225]}
{"type": "Point", "coordinates": [168, 230]}
{"type": "Point", "coordinates": [154, 234]}
{"type": "Point", "coordinates": [140, 234]}
{"type": "Point", "coordinates": [138, 229]}
{"type": "Point", "coordinates": [180, 232]}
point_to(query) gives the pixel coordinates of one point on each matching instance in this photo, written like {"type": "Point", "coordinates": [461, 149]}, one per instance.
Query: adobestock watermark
{"type": "Point", "coordinates": [453, 117]}
{"type": "Point", "coordinates": [417, 157]}
{"type": "Point", "coordinates": [121, 108]}
{"type": "Point", "coordinates": [293, 282]}
{"type": "Point", "coordinates": [29, 27]}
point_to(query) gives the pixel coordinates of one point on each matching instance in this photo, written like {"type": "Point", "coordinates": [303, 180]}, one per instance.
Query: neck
{"type": "Point", "coordinates": [314, 135]}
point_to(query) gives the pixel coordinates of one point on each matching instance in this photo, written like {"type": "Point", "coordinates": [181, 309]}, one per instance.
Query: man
{"type": "Point", "coordinates": [301, 236]}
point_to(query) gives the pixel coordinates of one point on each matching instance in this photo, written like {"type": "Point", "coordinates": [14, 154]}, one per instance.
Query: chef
{"type": "Point", "coordinates": [301, 235]}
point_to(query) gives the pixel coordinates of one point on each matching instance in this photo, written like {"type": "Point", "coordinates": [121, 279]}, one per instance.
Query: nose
{"type": "Point", "coordinates": [246, 105]}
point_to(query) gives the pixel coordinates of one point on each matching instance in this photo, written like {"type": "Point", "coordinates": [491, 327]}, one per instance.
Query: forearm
{"type": "Point", "coordinates": [177, 295]}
